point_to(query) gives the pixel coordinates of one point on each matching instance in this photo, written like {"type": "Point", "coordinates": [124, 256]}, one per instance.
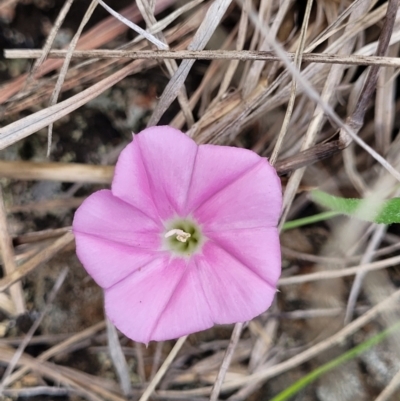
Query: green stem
{"type": "Point", "coordinates": [309, 220]}
{"type": "Point", "coordinates": [352, 353]}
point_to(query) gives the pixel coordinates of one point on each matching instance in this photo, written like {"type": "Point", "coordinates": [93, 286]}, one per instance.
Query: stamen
{"type": "Point", "coordinates": [181, 235]}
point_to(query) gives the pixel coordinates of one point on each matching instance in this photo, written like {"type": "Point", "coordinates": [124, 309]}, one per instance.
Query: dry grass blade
{"type": "Point", "coordinates": [47, 206]}
{"type": "Point", "coordinates": [64, 68]}
{"type": "Point", "coordinates": [356, 120]}
{"type": "Point", "coordinates": [100, 174]}
{"type": "Point", "coordinates": [254, 73]}
{"type": "Point", "coordinates": [297, 61]}
{"type": "Point", "coordinates": [66, 172]}
{"type": "Point", "coordinates": [36, 260]}
{"type": "Point", "coordinates": [171, 65]}
{"type": "Point", "coordinates": [313, 95]}
{"type": "Point", "coordinates": [240, 55]}
{"type": "Point", "coordinates": [302, 357]}
{"type": "Point", "coordinates": [140, 362]}
{"type": "Point", "coordinates": [337, 338]}
{"type": "Point", "coordinates": [34, 327]}
{"type": "Point", "coordinates": [163, 369]}
{"type": "Point", "coordinates": [202, 36]}
{"type": "Point", "coordinates": [390, 389]}
{"type": "Point", "coordinates": [334, 77]}
{"type": "Point", "coordinates": [95, 37]}
{"type": "Point", "coordinates": [349, 271]}
{"type": "Point", "coordinates": [237, 331]}
{"type": "Point", "coordinates": [118, 359]}
{"type": "Point", "coordinates": [65, 376]}
{"type": "Point", "coordinates": [7, 253]}
{"type": "Point", "coordinates": [374, 243]}
{"type": "Point", "coordinates": [40, 235]}
{"type": "Point", "coordinates": [24, 127]}
{"type": "Point", "coordinates": [61, 347]}
{"type": "Point", "coordinates": [40, 391]}
{"type": "Point", "coordinates": [133, 26]}
{"type": "Point", "coordinates": [50, 39]}
{"type": "Point", "coordinates": [243, 24]}
{"type": "Point", "coordinates": [385, 110]}
{"type": "Point", "coordinates": [6, 304]}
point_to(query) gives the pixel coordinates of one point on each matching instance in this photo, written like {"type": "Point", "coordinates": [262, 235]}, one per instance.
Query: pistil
{"type": "Point", "coordinates": [181, 235]}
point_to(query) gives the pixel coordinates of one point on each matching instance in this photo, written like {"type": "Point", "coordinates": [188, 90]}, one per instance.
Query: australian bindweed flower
{"type": "Point", "coordinates": [186, 238]}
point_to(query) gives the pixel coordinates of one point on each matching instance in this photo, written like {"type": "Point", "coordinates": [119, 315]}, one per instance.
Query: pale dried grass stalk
{"type": "Point", "coordinates": [35, 261]}
{"type": "Point", "coordinates": [243, 24]}
{"type": "Point", "coordinates": [7, 304]}
{"type": "Point", "coordinates": [390, 389]}
{"type": "Point", "coordinates": [373, 244]}
{"type": "Point", "coordinates": [237, 331]}
{"type": "Point", "coordinates": [66, 172]}
{"type": "Point", "coordinates": [332, 81]}
{"type": "Point", "coordinates": [7, 253]}
{"type": "Point", "coordinates": [385, 110]}
{"type": "Point", "coordinates": [64, 68]}
{"type": "Point", "coordinates": [389, 303]}
{"type": "Point", "coordinates": [151, 38]}
{"type": "Point", "coordinates": [50, 39]}
{"type": "Point", "coordinates": [253, 76]}
{"type": "Point", "coordinates": [297, 62]}
{"type": "Point", "coordinates": [348, 271]}
{"type": "Point", "coordinates": [97, 36]}
{"type": "Point", "coordinates": [26, 126]}
{"type": "Point", "coordinates": [163, 369]}
{"type": "Point", "coordinates": [118, 358]}
{"type": "Point", "coordinates": [239, 55]}
{"type": "Point", "coordinates": [63, 375]}
{"type": "Point", "coordinates": [57, 349]}
{"type": "Point", "coordinates": [200, 39]}
{"type": "Point", "coordinates": [171, 65]}
{"type": "Point", "coordinates": [33, 328]}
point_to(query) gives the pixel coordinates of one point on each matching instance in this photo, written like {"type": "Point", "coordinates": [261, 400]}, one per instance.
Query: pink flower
{"type": "Point", "coordinates": [185, 239]}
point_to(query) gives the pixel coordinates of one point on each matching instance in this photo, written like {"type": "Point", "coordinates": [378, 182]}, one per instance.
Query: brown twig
{"type": "Point", "coordinates": [356, 120]}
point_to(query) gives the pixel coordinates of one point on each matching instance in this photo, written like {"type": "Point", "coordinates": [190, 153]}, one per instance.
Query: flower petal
{"type": "Point", "coordinates": [113, 239]}
{"type": "Point", "coordinates": [234, 291]}
{"type": "Point", "coordinates": [253, 200]}
{"type": "Point", "coordinates": [130, 182]}
{"type": "Point", "coordinates": [258, 249]}
{"type": "Point", "coordinates": [105, 216]}
{"type": "Point", "coordinates": [156, 168]}
{"type": "Point", "coordinates": [136, 304]}
{"type": "Point", "coordinates": [187, 311]}
{"type": "Point", "coordinates": [109, 262]}
{"type": "Point", "coordinates": [215, 169]}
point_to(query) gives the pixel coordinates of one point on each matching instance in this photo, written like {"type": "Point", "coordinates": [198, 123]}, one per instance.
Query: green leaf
{"type": "Point", "coordinates": [388, 211]}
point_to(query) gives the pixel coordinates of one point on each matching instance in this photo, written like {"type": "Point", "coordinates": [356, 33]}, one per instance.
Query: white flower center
{"type": "Point", "coordinates": [181, 235]}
